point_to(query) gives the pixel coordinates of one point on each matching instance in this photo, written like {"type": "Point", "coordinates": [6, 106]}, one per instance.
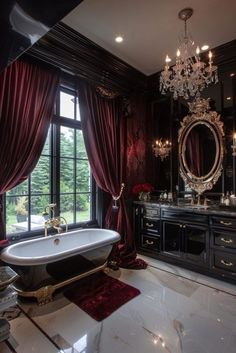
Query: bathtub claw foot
{"type": "Point", "coordinates": [44, 294]}
{"type": "Point", "coordinates": [113, 265]}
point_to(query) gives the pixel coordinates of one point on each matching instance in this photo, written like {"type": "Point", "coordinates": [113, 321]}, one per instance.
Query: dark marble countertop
{"type": "Point", "coordinates": [227, 211]}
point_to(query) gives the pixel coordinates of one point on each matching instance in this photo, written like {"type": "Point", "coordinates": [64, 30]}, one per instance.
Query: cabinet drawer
{"type": "Point", "coordinates": [151, 212]}
{"type": "Point", "coordinates": [150, 225]}
{"type": "Point", "coordinates": [148, 242]}
{"type": "Point", "coordinates": [224, 261]}
{"type": "Point", "coordinates": [224, 222]}
{"type": "Point", "coordinates": [185, 216]}
{"type": "Point", "coordinates": [227, 240]}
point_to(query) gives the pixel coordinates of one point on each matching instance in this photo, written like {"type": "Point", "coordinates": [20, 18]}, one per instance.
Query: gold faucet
{"type": "Point", "coordinates": [54, 222]}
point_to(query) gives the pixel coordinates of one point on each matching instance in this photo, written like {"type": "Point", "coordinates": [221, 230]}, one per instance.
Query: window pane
{"type": "Point", "coordinates": [67, 105]}
{"type": "Point", "coordinates": [83, 207]}
{"type": "Point", "coordinates": [14, 205]}
{"type": "Point", "coordinates": [21, 208]}
{"type": "Point", "coordinates": [17, 214]}
{"type": "Point", "coordinates": [80, 147]}
{"type": "Point", "coordinates": [38, 204]}
{"type": "Point", "coordinates": [82, 176]}
{"type": "Point", "coordinates": [20, 189]}
{"type": "Point", "coordinates": [46, 148]}
{"type": "Point", "coordinates": [67, 142]}
{"type": "Point", "coordinates": [77, 110]}
{"type": "Point", "coordinates": [67, 207]}
{"type": "Point", "coordinates": [67, 175]}
{"type": "Point", "coordinates": [40, 178]}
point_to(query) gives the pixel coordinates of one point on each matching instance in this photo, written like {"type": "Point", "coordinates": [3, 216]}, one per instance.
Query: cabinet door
{"type": "Point", "coordinates": [172, 238]}
{"type": "Point", "coordinates": [195, 243]}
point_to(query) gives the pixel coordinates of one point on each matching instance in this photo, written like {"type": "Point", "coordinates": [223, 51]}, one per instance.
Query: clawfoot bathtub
{"type": "Point", "coordinates": [47, 264]}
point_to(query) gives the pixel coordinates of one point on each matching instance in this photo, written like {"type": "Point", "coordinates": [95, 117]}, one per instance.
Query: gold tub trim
{"type": "Point", "coordinates": [44, 294]}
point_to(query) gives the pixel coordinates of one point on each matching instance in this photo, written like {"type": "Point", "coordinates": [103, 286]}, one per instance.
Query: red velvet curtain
{"type": "Point", "coordinates": [27, 94]}
{"type": "Point", "coordinates": [104, 134]}
{"type": "Point", "coordinates": [194, 153]}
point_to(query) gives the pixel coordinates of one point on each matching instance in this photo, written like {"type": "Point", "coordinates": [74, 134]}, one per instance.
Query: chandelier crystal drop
{"type": "Point", "coordinates": [189, 76]}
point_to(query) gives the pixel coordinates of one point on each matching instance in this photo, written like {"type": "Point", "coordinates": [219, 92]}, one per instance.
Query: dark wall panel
{"type": "Point", "coordinates": [24, 22]}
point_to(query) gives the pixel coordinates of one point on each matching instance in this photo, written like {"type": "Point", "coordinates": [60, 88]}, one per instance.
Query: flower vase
{"type": "Point", "coordinates": [144, 196]}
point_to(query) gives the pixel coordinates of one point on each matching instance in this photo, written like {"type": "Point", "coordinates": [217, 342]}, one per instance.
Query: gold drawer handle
{"type": "Point", "coordinates": [230, 241]}
{"type": "Point", "coordinates": [149, 242]}
{"type": "Point", "coordinates": [226, 263]}
{"type": "Point", "coordinates": [226, 223]}
{"type": "Point", "coordinates": [149, 225]}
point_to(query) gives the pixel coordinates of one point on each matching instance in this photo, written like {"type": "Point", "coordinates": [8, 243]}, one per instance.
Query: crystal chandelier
{"type": "Point", "coordinates": [189, 76]}
{"type": "Point", "coordinates": [162, 149]}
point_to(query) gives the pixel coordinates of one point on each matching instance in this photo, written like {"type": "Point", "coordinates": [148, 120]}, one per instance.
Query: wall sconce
{"type": "Point", "coordinates": [234, 145]}
{"type": "Point", "coordinates": [162, 149]}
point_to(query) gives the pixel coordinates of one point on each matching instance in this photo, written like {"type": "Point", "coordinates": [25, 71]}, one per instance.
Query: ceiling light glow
{"type": "Point", "coordinates": [205, 47]}
{"type": "Point", "coordinates": [119, 39]}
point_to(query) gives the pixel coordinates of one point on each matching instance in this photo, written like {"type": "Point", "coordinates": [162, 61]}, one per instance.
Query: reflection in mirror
{"type": "Point", "coordinates": [198, 162]}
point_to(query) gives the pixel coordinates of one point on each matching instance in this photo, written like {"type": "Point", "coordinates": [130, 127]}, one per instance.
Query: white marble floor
{"type": "Point", "coordinates": [173, 314]}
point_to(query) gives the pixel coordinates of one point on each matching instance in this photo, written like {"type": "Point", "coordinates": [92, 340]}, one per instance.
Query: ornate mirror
{"type": "Point", "coordinates": [201, 147]}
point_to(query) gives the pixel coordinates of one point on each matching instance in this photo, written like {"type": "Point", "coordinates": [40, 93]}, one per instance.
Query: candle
{"type": "Point", "coordinates": [167, 59]}
{"type": "Point", "coordinates": [197, 55]}
{"type": "Point", "coordinates": [234, 139]}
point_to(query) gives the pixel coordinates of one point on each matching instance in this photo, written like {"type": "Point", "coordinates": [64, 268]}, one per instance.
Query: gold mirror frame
{"type": "Point", "coordinates": [200, 114]}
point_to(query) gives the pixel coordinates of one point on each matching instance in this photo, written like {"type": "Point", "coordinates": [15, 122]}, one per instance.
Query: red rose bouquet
{"type": "Point", "coordinates": [141, 189]}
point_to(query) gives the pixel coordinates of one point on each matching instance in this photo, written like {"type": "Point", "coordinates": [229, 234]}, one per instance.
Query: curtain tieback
{"type": "Point", "coordinates": [116, 198]}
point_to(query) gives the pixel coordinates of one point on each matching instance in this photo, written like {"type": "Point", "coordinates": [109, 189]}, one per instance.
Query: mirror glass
{"type": "Point", "coordinates": [200, 150]}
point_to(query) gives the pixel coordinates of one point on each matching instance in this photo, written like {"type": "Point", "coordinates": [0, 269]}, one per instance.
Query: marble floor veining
{"type": "Point", "coordinates": [173, 314]}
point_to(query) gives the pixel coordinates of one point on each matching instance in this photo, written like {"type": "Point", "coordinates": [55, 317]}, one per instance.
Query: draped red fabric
{"type": "Point", "coordinates": [27, 94]}
{"type": "Point", "coordinates": [103, 129]}
{"type": "Point", "coordinates": [194, 153]}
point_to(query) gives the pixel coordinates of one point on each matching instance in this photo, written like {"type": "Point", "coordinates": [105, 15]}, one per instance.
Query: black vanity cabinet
{"type": "Point", "coordinates": [147, 228]}
{"type": "Point", "coordinates": [184, 240]}
{"type": "Point", "coordinates": [200, 240]}
{"type": "Point", "coordinates": [223, 246]}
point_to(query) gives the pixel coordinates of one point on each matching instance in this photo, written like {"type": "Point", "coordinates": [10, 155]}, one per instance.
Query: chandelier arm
{"type": "Point", "coordinates": [185, 29]}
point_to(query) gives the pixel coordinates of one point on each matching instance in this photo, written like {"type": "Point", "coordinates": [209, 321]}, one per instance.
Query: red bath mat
{"type": "Point", "coordinates": [100, 295]}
